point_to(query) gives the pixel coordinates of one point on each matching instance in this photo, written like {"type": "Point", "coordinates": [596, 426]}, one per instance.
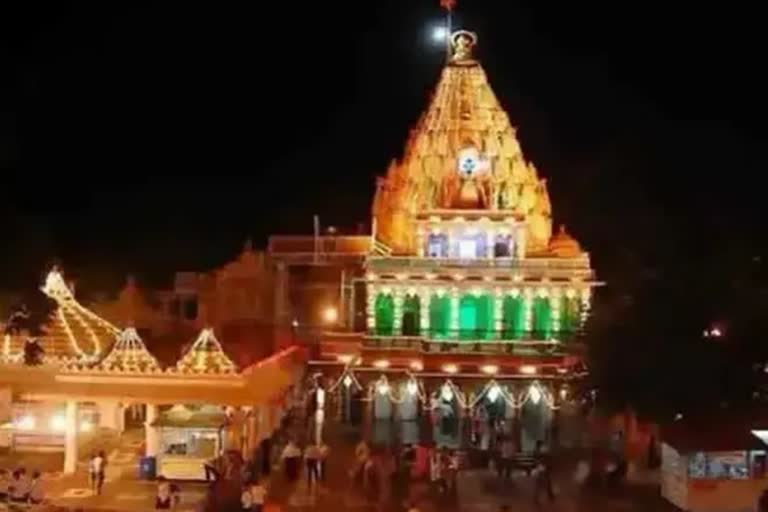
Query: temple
{"type": "Point", "coordinates": [471, 302]}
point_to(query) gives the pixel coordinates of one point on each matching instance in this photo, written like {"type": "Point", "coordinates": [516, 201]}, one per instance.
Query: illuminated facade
{"type": "Point", "coordinates": [470, 298]}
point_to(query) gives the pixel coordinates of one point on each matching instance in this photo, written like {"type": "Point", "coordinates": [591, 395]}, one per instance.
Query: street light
{"type": "Point", "coordinates": [330, 315]}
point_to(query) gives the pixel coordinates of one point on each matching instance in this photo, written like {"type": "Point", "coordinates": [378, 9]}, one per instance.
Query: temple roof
{"type": "Point", "coordinates": [464, 136]}
{"type": "Point", "coordinates": [74, 330]}
{"type": "Point", "coordinates": [129, 354]}
{"type": "Point", "coordinates": [206, 355]}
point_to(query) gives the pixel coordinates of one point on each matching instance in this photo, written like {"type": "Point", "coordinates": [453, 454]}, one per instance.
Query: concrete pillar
{"type": "Point", "coordinates": [70, 437]}
{"type": "Point", "coordinates": [109, 414]}
{"type": "Point", "coordinates": [152, 434]}
{"type": "Point", "coordinates": [424, 298]}
{"type": "Point", "coordinates": [454, 317]}
{"type": "Point", "coordinates": [370, 307]}
{"type": "Point", "coordinates": [521, 243]}
{"type": "Point", "coordinates": [398, 299]}
{"type": "Point", "coordinates": [498, 312]}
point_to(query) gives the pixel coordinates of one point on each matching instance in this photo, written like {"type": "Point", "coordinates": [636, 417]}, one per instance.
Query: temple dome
{"type": "Point", "coordinates": [563, 245]}
{"type": "Point", "coordinates": [462, 154]}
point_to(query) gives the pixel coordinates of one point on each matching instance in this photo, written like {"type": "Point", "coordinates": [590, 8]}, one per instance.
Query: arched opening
{"type": "Point", "coordinates": [411, 316]}
{"type": "Point", "coordinates": [513, 318]}
{"type": "Point", "coordinates": [439, 316]}
{"type": "Point", "coordinates": [502, 247]}
{"type": "Point", "coordinates": [534, 420]}
{"type": "Point", "coordinates": [437, 246]}
{"type": "Point", "coordinates": [475, 317]}
{"type": "Point", "coordinates": [542, 318]}
{"type": "Point", "coordinates": [446, 424]}
{"type": "Point", "coordinates": [570, 313]}
{"type": "Point", "coordinates": [385, 314]}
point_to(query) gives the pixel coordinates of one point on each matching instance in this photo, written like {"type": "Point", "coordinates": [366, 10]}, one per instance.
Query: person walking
{"type": "Point", "coordinates": [99, 465]}
{"type": "Point", "coordinates": [312, 460]}
{"type": "Point", "coordinates": [291, 457]}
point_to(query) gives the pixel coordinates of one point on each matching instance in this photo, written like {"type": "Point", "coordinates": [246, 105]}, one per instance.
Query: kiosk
{"type": "Point", "coordinates": [189, 438]}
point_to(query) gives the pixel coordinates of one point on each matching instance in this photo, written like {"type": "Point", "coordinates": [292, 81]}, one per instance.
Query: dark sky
{"type": "Point", "coordinates": [151, 139]}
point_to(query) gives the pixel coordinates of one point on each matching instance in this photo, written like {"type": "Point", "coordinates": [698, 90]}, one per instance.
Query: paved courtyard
{"type": "Point", "coordinates": [478, 490]}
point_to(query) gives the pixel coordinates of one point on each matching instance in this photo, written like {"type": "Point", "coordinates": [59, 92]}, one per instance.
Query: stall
{"type": "Point", "coordinates": [189, 438]}
{"type": "Point", "coordinates": [719, 468]}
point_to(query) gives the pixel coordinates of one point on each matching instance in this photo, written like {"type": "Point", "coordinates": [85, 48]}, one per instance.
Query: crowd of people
{"type": "Point", "coordinates": [18, 486]}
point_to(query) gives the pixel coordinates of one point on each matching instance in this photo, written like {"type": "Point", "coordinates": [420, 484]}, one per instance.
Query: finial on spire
{"type": "Point", "coordinates": [463, 43]}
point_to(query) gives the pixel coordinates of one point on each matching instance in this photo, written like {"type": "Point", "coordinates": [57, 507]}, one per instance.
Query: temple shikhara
{"type": "Point", "coordinates": [472, 304]}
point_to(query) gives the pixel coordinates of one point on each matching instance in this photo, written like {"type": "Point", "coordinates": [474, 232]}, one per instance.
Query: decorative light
{"type": "Point", "coordinates": [494, 392]}
{"type": "Point", "coordinates": [446, 393]}
{"type": "Point", "coordinates": [58, 423]}
{"type": "Point", "coordinates": [381, 364]}
{"type": "Point", "coordinates": [450, 368]}
{"type": "Point", "coordinates": [541, 292]}
{"type": "Point", "coordinates": [563, 393]}
{"type": "Point", "coordinates": [330, 315]}
{"type": "Point", "coordinates": [459, 219]}
{"type": "Point", "coordinates": [529, 369]}
{"type": "Point", "coordinates": [488, 278]}
{"type": "Point", "coordinates": [412, 292]}
{"type": "Point", "coordinates": [383, 387]}
{"type": "Point", "coordinates": [534, 393]}
{"type": "Point", "coordinates": [26, 422]}
{"type": "Point", "coordinates": [412, 387]}
{"type": "Point", "coordinates": [477, 292]}
{"type": "Point", "coordinates": [458, 277]}
{"type": "Point", "coordinates": [517, 278]}
{"type": "Point", "coordinates": [347, 381]}
{"type": "Point", "coordinates": [440, 292]}
{"type": "Point", "coordinates": [344, 358]}
{"type": "Point", "coordinates": [401, 277]}
{"type": "Point", "coordinates": [570, 293]}
{"type": "Point", "coordinates": [562, 370]}
{"type": "Point", "coordinates": [489, 369]}
{"type": "Point", "coordinates": [430, 276]}
{"type": "Point", "coordinates": [86, 426]}
{"type": "Point", "coordinates": [416, 365]}
{"type": "Point", "coordinates": [295, 323]}
{"type": "Point", "coordinates": [371, 276]}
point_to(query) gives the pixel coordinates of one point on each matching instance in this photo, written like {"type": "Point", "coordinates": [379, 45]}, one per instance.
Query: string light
{"type": "Point", "coordinates": [528, 369]}
{"type": "Point", "coordinates": [489, 369]}
{"type": "Point", "coordinates": [416, 365]}
{"type": "Point", "coordinates": [450, 368]}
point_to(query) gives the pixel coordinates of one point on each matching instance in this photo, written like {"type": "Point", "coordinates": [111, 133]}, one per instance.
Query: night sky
{"type": "Point", "coordinates": [155, 139]}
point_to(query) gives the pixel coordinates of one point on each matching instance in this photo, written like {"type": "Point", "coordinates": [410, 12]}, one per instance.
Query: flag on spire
{"type": "Point", "coordinates": [448, 5]}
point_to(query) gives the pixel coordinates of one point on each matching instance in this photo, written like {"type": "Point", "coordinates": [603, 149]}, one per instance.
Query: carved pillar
{"type": "Point", "coordinates": [490, 238]}
{"type": "Point", "coordinates": [152, 433]}
{"type": "Point", "coordinates": [555, 301]}
{"type": "Point", "coordinates": [398, 300]}
{"type": "Point", "coordinates": [424, 298]}
{"type": "Point", "coordinates": [370, 307]}
{"type": "Point", "coordinates": [520, 242]}
{"type": "Point", "coordinates": [454, 311]}
{"type": "Point", "coordinates": [420, 241]}
{"type": "Point", "coordinates": [528, 305]}
{"type": "Point", "coordinates": [498, 312]}
{"type": "Point", "coordinates": [586, 295]}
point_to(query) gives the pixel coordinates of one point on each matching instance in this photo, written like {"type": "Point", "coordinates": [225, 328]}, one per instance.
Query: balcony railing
{"type": "Point", "coordinates": [540, 264]}
{"type": "Point", "coordinates": [476, 341]}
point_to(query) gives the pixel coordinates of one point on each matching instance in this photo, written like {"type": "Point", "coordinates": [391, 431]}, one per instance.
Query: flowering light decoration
{"type": "Point", "coordinates": [129, 355]}
{"type": "Point", "coordinates": [206, 356]}
{"type": "Point", "coordinates": [70, 311]}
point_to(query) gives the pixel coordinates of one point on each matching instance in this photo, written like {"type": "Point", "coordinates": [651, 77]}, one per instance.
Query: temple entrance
{"type": "Point", "coordinates": [446, 417]}
{"type": "Point", "coordinates": [411, 316]}
{"type": "Point", "coordinates": [534, 421]}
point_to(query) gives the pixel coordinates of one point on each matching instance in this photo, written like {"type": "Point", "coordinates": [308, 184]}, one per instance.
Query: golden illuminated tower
{"type": "Point", "coordinates": [463, 228]}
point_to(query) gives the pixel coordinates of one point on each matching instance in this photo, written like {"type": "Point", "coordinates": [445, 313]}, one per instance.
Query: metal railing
{"type": "Point", "coordinates": [462, 263]}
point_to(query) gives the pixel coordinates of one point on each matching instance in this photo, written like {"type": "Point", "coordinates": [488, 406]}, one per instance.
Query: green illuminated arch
{"type": "Point", "coordinates": [542, 318]}
{"type": "Point", "coordinates": [513, 318]}
{"type": "Point", "coordinates": [385, 314]}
